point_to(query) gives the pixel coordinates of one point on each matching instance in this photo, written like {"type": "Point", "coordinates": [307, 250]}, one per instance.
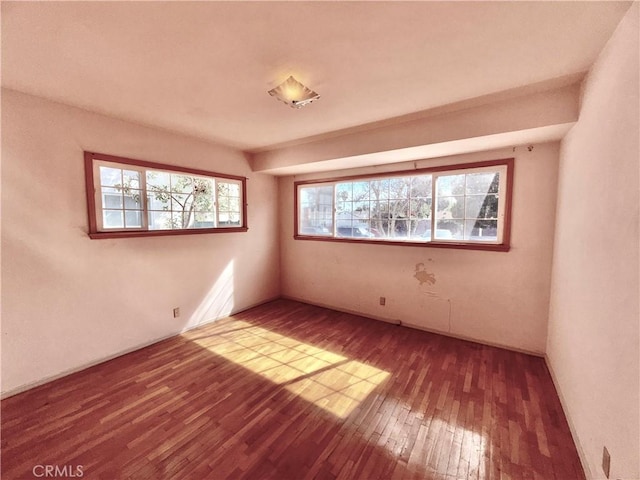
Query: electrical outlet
{"type": "Point", "coordinates": [383, 301]}
{"type": "Point", "coordinates": [176, 312]}
{"type": "Point", "coordinates": [606, 461]}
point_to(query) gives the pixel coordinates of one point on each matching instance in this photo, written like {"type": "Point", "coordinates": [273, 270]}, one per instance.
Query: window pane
{"type": "Point", "coordinates": [204, 204]}
{"type": "Point", "coordinates": [203, 192]}
{"type": "Point", "coordinates": [378, 226]}
{"type": "Point", "coordinates": [400, 228]}
{"type": "Point", "coordinates": [180, 202]}
{"type": "Point", "coordinates": [344, 192]}
{"type": "Point", "coordinates": [380, 209]}
{"type": "Point", "coordinates": [420, 208]}
{"type": "Point", "coordinates": [421, 186]}
{"type": "Point", "coordinates": [355, 230]}
{"type": "Point", "coordinates": [224, 218]}
{"type": "Point", "coordinates": [110, 176]}
{"type": "Point", "coordinates": [481, 230]}
{"type": "Point", "coordinates": [343, 207]}
{"type": "Point", "coordinates": [223, 204]}
{"type": "Point", "coordinates": [131, 178]}
{"type": "Point", "coordinates": [481, 206]}
{"type": "Point", "coordinates": [133, 218]}
{"type": "Point", "coordinates": [380, 189]}
{"type": "Point", "coordinates": [399, 208]}
{"type": "Point", "coordinates": [361, 191]}
{"type": "Point", "coordinates": [158, 179]}
{"type": "Point", "coordinates": [352, 219]}
{"type": "Point", "coordinates": [228, 204]}
{"type": "Point", "coordinates": [204, 220]}
{"type": "Point", "coordinates": [450, 185]}
{"type": "Point", "coordinates": [399, 188]}
{"type": "Point", "coordinates": [187, 212]}
{"type": "Point", "coordinates": [361, 209]}
{"type": "Point", "coordinates": [112, 219]}
{"type": "Point", "coordinates": [449, 229]}
{"type": "Point", "coordinates": [158, 202]}
{"type": "Point", "coordinates": [234, 204]}
{"type": "Point", "coordinates": [160, 220]}
{"type": "Point", "coordinates": [441, 234]}
{"type": "Point", "coordinates": [417, 228]}
{"type": "Point", "coordinates": [344, 229]}
{"type": "Point", "coordinates": [234, 189]}
{"type": "Point", "coordinates": [223, 189]}
{"type": "Point", "coordinates": [316, 209]}
{"type": "Point", "coordinates": [133, 200]}
{"type": "Point", "coordinates": [344, 219]}
{"type": "Point", "coordinates": [482, 182]}
{"type": "Point", "coordinates": [111, 198]}
{"type": "Point", "coordinates": [380, 218]}
{"type": "Point", "coordinates": [182, 219]}
{"type": "Point", "coordinates": [450, 207]}
{"type": "Point", "coordinates": [181, 183]}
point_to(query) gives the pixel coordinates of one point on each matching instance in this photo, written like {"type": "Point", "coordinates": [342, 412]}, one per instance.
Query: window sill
{"type": "Point", "coordinates": [162, 233]}
{"type": "Point", "coordinates": [501, 247]}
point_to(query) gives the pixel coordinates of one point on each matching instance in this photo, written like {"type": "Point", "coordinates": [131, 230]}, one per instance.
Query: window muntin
{"type": "Point", "coordinates": [471, 207]}
{"type": "Point", "coordinates": [132, 197]}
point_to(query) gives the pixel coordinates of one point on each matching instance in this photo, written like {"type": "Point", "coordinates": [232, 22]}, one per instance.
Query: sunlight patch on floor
{"type": "Point", "coordinates": [331, 381]}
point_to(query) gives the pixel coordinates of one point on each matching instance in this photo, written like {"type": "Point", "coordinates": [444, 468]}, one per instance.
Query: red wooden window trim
{"type": "Point", "coordinates": [506, 230]}
{"type": "Point", "coordinates": [89, 158]}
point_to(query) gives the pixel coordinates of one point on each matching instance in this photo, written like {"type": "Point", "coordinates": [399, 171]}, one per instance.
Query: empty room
{"type": "Point", "coordinates": [320, 240]}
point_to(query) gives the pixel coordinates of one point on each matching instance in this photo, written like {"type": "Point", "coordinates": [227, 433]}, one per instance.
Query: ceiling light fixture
{"type": "Point", "coordinates": [293, 93]}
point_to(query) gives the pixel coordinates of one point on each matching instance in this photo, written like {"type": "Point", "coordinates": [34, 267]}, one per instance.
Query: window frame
{"type": "Point", "coordinates": [503, 246]}
{"type": "Point", "coordinates": [91, 162]}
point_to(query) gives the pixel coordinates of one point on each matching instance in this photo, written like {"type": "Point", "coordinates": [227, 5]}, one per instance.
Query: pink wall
{"type": "Point", "coordinates": [68, 301]}
{"type": "Point", "coordinates": [492, 297]}
{"type": "Point", "coordinates": [593, 339]}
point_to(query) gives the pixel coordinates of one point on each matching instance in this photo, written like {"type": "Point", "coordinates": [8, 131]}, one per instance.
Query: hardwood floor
{"type": "Point", "coordinates": [292, 391]}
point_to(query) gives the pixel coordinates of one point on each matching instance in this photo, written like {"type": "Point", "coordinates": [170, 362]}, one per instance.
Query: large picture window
{"type": "Point", "coordinates": [137, 198]}
{"type": "Point", "coordinates": [460, 206]}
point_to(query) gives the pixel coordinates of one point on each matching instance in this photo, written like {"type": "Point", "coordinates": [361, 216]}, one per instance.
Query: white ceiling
{"type": "Point", "coordinates": [204, 68]}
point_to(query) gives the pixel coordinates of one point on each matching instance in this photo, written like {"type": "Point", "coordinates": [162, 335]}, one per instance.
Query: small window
{"type": "Point", "coordinates": [136, 198]}
{"type": "Point", "coordinates": [460, 206]}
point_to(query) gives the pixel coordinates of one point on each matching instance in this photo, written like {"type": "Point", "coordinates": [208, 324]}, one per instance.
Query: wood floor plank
{"type": "Point", "coordinates": [292, 391]}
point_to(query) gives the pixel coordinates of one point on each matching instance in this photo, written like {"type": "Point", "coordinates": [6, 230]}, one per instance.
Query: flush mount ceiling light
{"type": "Point", "coordinates": [293, 93]}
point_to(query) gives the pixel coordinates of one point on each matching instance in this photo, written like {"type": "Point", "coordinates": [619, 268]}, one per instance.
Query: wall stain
{"type": "Point", "coordinates": [423, 276]}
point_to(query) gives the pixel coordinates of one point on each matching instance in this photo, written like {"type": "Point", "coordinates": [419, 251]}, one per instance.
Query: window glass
{"type": "Point", "coordinates": [136, 196]}
{"type": "Point", "coordinates": [316, 210]}
{"type": "Point", "coordinates": [472, 214]}
{"type": "Point", "coordinates": [468, 207]}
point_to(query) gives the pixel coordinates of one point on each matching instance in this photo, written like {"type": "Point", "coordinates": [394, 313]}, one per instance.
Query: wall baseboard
{"type": "Point", "coordinates": [572, 429]}
{"type": "Point", "coordinates": [417, 327]}
{"type": "Point", "coordinates": [29, 386]}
